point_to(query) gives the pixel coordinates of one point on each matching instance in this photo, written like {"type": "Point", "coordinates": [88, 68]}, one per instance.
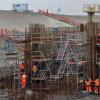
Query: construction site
{"type": "Point", "coordinates": [58, 52]}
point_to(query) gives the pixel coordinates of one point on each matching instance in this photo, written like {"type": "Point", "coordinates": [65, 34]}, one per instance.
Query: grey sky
{"type": "Point", "coordinates": [67, 6]}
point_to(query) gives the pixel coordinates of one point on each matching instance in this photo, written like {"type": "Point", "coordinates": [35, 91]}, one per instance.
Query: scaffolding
{"type": "Point", "coordinates": [58, 55]}
{"type": "Point", "coordinates": [97, 50]}
{"type": "Point", "coordinates": [13, 56]}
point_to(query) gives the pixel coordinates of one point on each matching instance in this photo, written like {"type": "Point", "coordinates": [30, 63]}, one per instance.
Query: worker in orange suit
{"type": "Point", "coordinates": [96, 87]}
{"type": "Point", "coordinates": [24, 80]}
{"type": "Point", "coordinates": [22, 68]}
{"type": "Point", "coordinates": [88, 85]}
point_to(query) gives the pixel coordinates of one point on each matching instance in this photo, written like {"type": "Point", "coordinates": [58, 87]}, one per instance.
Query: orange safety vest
{"type": "Point", "coordinates": [24, 77]}
{"type": "Point", "coordinates": [88, 82]}
{"type": "Point", "coordinates": [24, 80]}
{"type": "Point", "coordinates": [88, 85]}
{"type": "Point", "coordinates": [97, 82]}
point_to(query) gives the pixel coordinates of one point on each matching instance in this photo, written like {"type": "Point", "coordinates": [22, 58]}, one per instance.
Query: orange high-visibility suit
{"type": "Point", "coordinates": [88, 86]}
{"type": "Point", "coordinates": [24, 80]}
{"type": "Point", "coordinates": [96, 88]}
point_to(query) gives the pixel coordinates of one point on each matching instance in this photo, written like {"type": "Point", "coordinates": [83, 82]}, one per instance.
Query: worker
{"type": "Point", "coordinates": [22, 68]}
{"type": "Point", "coordinates": [34, 68]}
{"type": "Point", "coordinates": [88, 85]}
{"type": "Point", "coordinates": [24, 80]}
{"type": "Point", "coordinates": [83, 85]}
{"type": "Point", "coordinates": [96, 87]}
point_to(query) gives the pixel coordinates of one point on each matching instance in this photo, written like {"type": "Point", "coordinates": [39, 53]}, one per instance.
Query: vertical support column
{"type": "Point", "coordinates": [27, 54]}
{"type": "Point", "coordinates": [92, 46]}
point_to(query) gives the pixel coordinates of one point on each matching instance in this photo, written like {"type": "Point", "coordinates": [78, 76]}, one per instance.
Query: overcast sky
{"type": "Point", "coordinates": [66, 6]}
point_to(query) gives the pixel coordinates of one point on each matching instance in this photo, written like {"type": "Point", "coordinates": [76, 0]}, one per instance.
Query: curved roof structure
{"type": "Point", "coordinates": [19, 21]}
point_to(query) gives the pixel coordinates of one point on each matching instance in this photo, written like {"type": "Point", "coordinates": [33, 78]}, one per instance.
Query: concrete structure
{"type": "Point", "coordinates": [19, 21]}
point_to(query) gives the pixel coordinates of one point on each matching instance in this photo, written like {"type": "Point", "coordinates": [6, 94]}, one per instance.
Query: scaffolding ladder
{"type": "Point", "coordinates": [61, 51]}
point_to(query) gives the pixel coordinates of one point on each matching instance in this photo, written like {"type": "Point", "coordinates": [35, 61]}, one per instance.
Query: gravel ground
{"type": "Point", "coordinates": [91, 97]}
